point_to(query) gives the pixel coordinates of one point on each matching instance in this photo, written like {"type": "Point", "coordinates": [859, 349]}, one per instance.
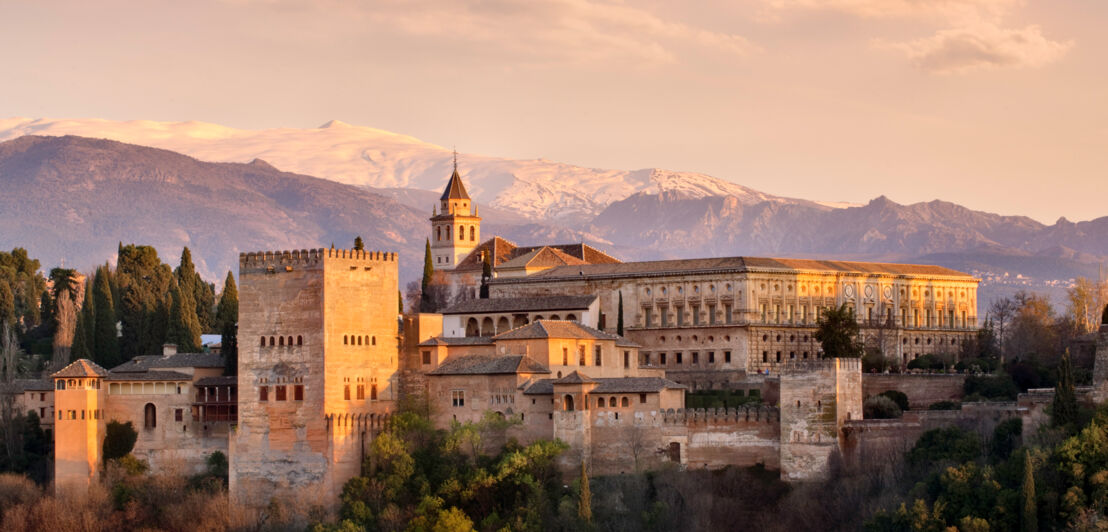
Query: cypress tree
{"type": "Point", "coordinates": [425, 284]}
{"type": "Point", "coordinates": [7, 303]}
{"type": "Point", "coordinates": [183, 329]}
{"type": "Point", "coordinates": [228, 317]}
{"type": "Point", "coordinates": [104, 347]}
{"type": "Point", "coordinates": [358, 244]}
{"type": "Point", "coordinates": [144, 283]}
{"type": "Point", "coordinates": [83, 339]}
{"type": "Point", "coordinates": [1064, 409]}
{"type": "Point", "coordinates": [584, 504]}
{"type": "Point", "coordinates": [619, 316]}
{"type": "Point", "coordinates": [486, 276]}
{"type": "Point", "coordinates": [1029, 519]}
{"type": "Point", "coordinates": [400, 302]}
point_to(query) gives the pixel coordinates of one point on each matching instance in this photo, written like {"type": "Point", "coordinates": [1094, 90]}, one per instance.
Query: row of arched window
{"type": "Point", "coordinates": [445, 235]}
{"type": "Point", "coordinates": [358, 340]}
{"type": "Point", "coordinates": [280, 341]}
{"type": "Point", "coordinates": [72, 414]}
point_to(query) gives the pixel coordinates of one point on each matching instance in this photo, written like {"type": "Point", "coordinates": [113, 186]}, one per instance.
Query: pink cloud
{"type": "Point", "coordinates": [984, 46]}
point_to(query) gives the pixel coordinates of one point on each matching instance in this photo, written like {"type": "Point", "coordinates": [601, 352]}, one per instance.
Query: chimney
{"type": "Point", "coordinates": [169, 350]}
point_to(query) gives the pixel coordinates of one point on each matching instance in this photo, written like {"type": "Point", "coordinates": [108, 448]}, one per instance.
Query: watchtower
{"type": "Point", "coordinates": [318, 342]}
{"type": "Point", "coordinates": [817, 398]}
{"type": "Point", "coordinates": [79, 429]}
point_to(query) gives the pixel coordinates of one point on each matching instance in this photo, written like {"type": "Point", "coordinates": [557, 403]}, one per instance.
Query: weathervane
{"type": "Point", "coordinates": [455, 158]}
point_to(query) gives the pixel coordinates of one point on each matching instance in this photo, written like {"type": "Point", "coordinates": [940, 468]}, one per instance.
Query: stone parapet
{"type": "Point", "coordinates": [264, 260]}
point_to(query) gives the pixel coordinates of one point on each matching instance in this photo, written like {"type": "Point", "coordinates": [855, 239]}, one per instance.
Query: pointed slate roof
{"type": "Point", "coordinates": [454, 188]}
{"type": "Point", "coordinates": [82, 368]}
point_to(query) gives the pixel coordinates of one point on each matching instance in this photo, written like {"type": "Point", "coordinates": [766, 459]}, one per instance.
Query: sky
{"type": "Point", "coordinates": [999, 105]}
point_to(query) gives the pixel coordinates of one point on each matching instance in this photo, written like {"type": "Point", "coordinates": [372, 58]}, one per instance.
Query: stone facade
{"type": "Point", "coordinates": [309, 401]}
{"type": "Point", "coordinates": [922, 390]}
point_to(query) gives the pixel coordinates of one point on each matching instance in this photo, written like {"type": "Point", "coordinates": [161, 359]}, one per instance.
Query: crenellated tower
{"type": "Point", "coordinates": [455, 225]}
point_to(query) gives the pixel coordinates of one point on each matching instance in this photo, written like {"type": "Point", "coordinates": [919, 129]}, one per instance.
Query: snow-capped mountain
{"type": "Point", "coordinates": [537, 189]}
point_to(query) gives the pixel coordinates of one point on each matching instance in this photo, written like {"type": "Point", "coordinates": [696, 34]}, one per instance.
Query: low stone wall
{"type": "Point", "coordinates": [922, 389]}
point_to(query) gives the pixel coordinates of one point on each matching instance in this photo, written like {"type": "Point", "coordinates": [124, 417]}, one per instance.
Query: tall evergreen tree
{"type": "Point", "coordinates": [7, 303]}
{"type": "Point", "coordinates": [838, 333]}
{"type": "Point", "coordinates": [425, 303]}
{"type": "Point", "coordinates": [584, 502]}
{"type": "Point", "coordinates": [143, 282]}
{"type": "Point", "coordinates": [1029, 518]}
{"type": "Point", "coordinates": [83, 339]}
{"type": "Point", "coordinates": [104, 347]}
{"type": "Point", "coordinates": [228, 317]}
{"type": "Point", "coordinates": [1064, 408]}
{"type": "Point", "coordinates": [183, 328]}
{"type": "Point", "coordinates": [486, 275]}
{"type": "Point", "coordinates": [359, 245]}
{"type": "Point", "coordinates": [619, 316]}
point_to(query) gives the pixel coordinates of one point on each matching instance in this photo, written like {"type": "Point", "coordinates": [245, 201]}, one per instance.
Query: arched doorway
{"type": "Point", "coordinates": [472, 329]}
{"type": "Point", "coordinates": [150, 416]}
{"type": "Point", "coordinates": [486, 327]}
{"type": "Point", "coordinates": [567, 401]}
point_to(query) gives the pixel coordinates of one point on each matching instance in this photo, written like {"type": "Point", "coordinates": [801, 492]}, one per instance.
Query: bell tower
{"type": "Point", "coordinates": [455, 225]}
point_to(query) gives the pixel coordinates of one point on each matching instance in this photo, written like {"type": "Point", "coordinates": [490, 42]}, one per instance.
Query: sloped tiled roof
{"type": "Point", "coordinates": [150, 376]}
{"type": "Point", "coordinates": [503, 251]}
{"type": "Point", "coordinates": [610, 385]}
{"type": "Point", "coordinates": [28, 385]}
{"type": "Point", "coordinates": [467, 340]}
{"type": "Point", "coordinates": [454, 188]}
{"type": "Point", "coordinates": [226, 380]}
{"type": "Point", "coordinates": [730, 264]}
{"type": "Point", "coordinates": [560, 329]}
{"type": "Point", "coordinates": [544, 257]}
{"type": "Point", "coordinates": [575, 377]}
{"type": "Point", "coordinates": [179, 360]}
{"type": "Point", "coordinates": [489, 365]}
{"type": "Point", "coordinates": [520, 304]}
{"type": "Point", "coordinates": [82, 368]}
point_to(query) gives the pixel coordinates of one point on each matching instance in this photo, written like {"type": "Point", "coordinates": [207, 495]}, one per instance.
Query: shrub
{"type": "Point", "coordinates": [119, 440]}
{"type": "Point", "coordinates": [977, 365]}
{"type": "Point", "coordinates": [15, 490]}
{"type": "Point", "coordinates": [880, 407]}
{"type": "Point", "coordinates": [991, 386]}
{"type": "Point", "coordinates": [898, 397]}
{"type": "Point", "coordinates": [947, 444]}
{"type": "Point", "coordinates": [927, 362]}
{"type": "Point", "coordinates": [945, 405]}
{"type": "Point", "coordinates": [1006, 438]}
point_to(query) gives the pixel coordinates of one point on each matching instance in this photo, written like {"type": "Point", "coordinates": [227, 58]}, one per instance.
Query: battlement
{"type": "Point", "coordinates": [689, 416]}
{"type": "Point", "coordinates": [283, 260]}
{"type": "Point", "coordinates": [794, 367]}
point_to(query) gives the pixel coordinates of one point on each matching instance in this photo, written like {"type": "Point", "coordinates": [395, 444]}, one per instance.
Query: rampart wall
{"type": "Point", "coordinates": [922, 390]}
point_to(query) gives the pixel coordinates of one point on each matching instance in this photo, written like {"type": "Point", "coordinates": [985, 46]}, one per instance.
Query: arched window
{"type": "Point", "coordinates": [299, 340]}
{"type": "Point", "coordinates": [448, 232]}
{"type": "Point", "coordinates": [263, 342]}
{"type": "Point", "coordinates": [345, 340]}
{"type": "Point", "coordinates": [472, 328]}
{"type": "Point", "coordinates": [502, 325]}
{"type": "Point", "coordinates": [461, 232]}
{"type": "Point", "coordinates": [359, 340]}
{"type": "Point", "coordinates": [568, 402]}
{"type": "Point", "coordinates": [61, 384]}
{"type": "Point", "coordinates": [486, 327]}
{"type": "Point", "coordinates": [571, 317]}
{"type": "Point", "coordinates": [373, 340]}
{"type": "Point", "coordinates": [624, 402]}
{"type": "Point", "coordinates": [612, 402]}
{"type": "Point", "coordinates": [600, 402]}
{"type": "Point", "coordinates": [290, 340]}
{"type": "Point", "coordinates": [438, 233]}
{"type": "Point", "coordinates": [150, 416]}
{"type": "Point", "coordinates": [281, 340]}
{"type": "Point", "coordinates": [555, 317]}
{"type": "Point", "coordinates": [272, 342]}
{"type": "Point", "coordinates": [472, 233]}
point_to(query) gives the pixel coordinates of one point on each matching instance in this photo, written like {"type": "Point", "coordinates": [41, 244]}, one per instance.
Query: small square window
{"type": "Point", "coordinates": [263, 393]}
{"type": "Point", "coordinates": [298, 392]}
{"type": "Point", "coordinates": [280, 393]}
{"type": "Point", "coordinates": [178, 415]}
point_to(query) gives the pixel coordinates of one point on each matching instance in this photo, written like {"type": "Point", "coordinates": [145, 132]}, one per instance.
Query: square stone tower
{"type": "Point", "coordinates": [79, 430]}
{"type": "Point", "coordinates": [317, 368]}
{"type": "Point", "coordinates": [817, 398]}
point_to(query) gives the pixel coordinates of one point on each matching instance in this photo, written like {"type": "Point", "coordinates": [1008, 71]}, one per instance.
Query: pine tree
{"type": "Point", "coordinates": [619, 316]}
{"type": "Point", "coordinates": [104, 348]}
{"type": "Point", "coordinates": [1064, 408]}
{"type": "Point", "coordinates": [183, 329]}
{"type": "Point", "coordinates": [584, 504]}
{"type": "Point", "coordinates": [1029, 520]}
{"type": "Point", "coordinates": [425, 285]}
{"type": "Point", "coordinates": [358, 244]}
{"type": "Point", "coordinates": [143, 282]}
{"type": "Point", "coordinates": [228, 316]}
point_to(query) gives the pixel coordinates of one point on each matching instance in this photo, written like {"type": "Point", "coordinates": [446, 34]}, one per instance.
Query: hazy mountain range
{"type": "Point", "coordinates": [74, 198]}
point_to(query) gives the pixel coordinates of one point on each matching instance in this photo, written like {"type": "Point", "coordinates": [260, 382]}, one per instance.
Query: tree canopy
{"type": "Point", "coordinates": [838, 333]}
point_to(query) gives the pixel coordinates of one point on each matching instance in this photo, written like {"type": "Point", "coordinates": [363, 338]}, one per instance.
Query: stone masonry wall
{"type": "Point", "coordinates": [922, 390]}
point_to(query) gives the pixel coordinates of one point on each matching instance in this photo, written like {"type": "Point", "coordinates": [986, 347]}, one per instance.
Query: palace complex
{"type": "Point", "coordinates": [571, 343]}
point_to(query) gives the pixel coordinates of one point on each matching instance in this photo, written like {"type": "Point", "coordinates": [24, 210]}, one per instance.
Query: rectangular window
{"type": "Point", "coordinates": [361, 392]}
{"type": "Point", "coordinates": [649, 317]}
{"type": "Point", "coordinates": [695, 357]}
{"type": "Point", "coordinates": [712, 314]}
{"type": "Point", "coordinates": [626, 359]}
{"type": "Point", "coordinates": [727, 357]}
{"type": "Point", "coordinates": [665, 316]}
{"type": "Point", "coordinates": [678, 356]}
{"type": "Point", "coordinates": [346, 392]}
{"type": "Point", "coordinates": [458, 398]}
{"type": "Point", "coordinates": [646, 359]}
{"type": "Point", "coordinates": [580, 355]}
{"type": "Point", "coordinates": [662, 358]}
{"type": "Point", "coordinates": [681, 316]}
{"type": "Point", "coordinates": [373, 392]}
{"type": "Point", "coordinates": [298, 392]}
{"type": "Point", "coordinates": [696, 314]}
{"type": "Point", "coordinates": [599, 361]}
{"type": "Point", "coordinates": [642, 397]}
{"type": "Point", "coordinates": [762, 310]}
{"type": "Point", "coordinates": [727, 313]}
{"type": "Point", "coordinates": [565, 356]}
{"type": "Point", "coordinates": [426, 357]}
{"type": "Point", "coordinates": [281, 392]}
{"type": "Point", "coordinates": [711, 357]}
{"type": "Point", "coordinates": [263, 393]}
{"type": "Point", "coordinates": [178, 415]}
